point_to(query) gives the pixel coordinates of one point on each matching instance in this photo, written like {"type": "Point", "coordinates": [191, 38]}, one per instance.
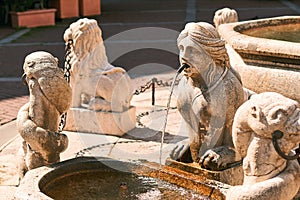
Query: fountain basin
{"type": "Point", "coordinates": [102, 178]}
{"type": "Point", "coordinates": [265, 64]}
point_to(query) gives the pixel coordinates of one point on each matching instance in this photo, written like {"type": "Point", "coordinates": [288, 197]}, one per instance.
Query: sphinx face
{"type": "Point", "coordinates": [194, 56]}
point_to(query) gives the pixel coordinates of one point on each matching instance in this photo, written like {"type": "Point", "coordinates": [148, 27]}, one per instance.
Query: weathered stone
{"type": "Point", "coordinates": [96, 84]}
{"type": "Point", "coordinates": [208, 95]}
{"type": "Point", "coordinates": [232, 175]}
{"type": "Point", "coordinates": [38, 182]}
{"type": "Point", "coordinates": [265, 65]}
{"type": "Point", "coordinates": [224, 16]}
{"type": "Point", "coordinates": [267, 175]}
{"type": "Point", "coordinates": [115, 123]}
{"type": "Point", "coordinates": [38, 120]}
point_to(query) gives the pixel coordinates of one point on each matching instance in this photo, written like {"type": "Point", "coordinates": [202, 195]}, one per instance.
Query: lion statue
{"type": "Point", "coordinates": [209, 94]}
{"type": "Point", "coordinates": [270, 170]}
{"type": "Point", "coordinates": [38, 120]}
{"type": "Point", "coordinates": [96, 84]}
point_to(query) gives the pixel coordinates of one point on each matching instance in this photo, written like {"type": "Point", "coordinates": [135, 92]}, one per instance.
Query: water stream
{"type": "Point", "coordinates": [181, 68]}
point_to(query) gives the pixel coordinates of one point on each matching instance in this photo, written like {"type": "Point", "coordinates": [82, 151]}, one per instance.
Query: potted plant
{"type": "Point", "coordinates": [65, 8]}
{"type": "Point", "coordinates": [89, 7]}
{"type": "Point", "coordinates": [30, 13]}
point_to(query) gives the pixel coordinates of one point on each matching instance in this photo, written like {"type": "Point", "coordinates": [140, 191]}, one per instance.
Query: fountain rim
{"type": "Point", "coordinates": [31, 185]}
{"type": "Point", "coordinates": [260, 46]}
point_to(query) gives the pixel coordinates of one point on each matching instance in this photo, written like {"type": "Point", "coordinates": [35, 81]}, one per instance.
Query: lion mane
{"type": "Point", "coordinates": [94, 81]}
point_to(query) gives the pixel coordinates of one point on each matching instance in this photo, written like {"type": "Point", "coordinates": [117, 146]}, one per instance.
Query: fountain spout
{"type": "Point", "coordinates": [182, 67]}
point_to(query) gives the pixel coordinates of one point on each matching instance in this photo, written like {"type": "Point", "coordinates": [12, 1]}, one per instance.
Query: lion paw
{"type": "Point", "coordinates": [219, 158]}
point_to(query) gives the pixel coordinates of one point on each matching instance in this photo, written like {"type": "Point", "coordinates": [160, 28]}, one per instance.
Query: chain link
{"type": "Point", "coordinates": [68, 66]}
{"type": "Point", "coordinates": [146, 113]}
{"type": "Point", "coordinates": [67, 74]}
{"type": "Point", "coordinates": [154, 81]}
{"type": "Point", "coordinates": [83, 152]}
{"type": "Point", "coordinates": [143, 88]}
{"type": "Point", "coordinates": [167, 83]}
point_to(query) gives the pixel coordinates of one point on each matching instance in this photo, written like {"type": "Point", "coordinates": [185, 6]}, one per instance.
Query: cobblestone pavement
{"type": "Point", "coordinates": [9, 108]}
{"type": "Point", "coordinates": [12, 96]}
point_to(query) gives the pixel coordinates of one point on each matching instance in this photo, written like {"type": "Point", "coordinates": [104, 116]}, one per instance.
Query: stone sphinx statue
{"type": "Point", "coordinates": [38, 120]}
{"type": "Point", "coordinates": [268, 121]}
{"type": "Point", "coordinates": [225, 15]}
{"type": "Point", "coordinates": [208, 95]}
{"type": "Point", "coordinates": [97, 86]}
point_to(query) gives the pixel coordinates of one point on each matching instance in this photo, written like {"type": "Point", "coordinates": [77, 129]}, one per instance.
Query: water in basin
{"type": "Point", "coordinates": [114, 185]}
{"type": "Point", "coordinates": [285, 32]}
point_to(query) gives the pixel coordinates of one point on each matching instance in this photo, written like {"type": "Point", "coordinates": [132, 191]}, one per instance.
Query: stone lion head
{"type": "Point", "coordinates": [264, 114]}
{"type": "Point", "coordinates": [270, 111]}
{"type": "Point", "coordinates": [85, 35]}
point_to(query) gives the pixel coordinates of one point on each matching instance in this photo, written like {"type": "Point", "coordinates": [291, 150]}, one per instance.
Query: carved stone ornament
{"type": "Point", "coordinates": [101, 92]}
{"type": "Point", "coordinates": [267, 173]}
{"type": "Point", "coordinates": [38, 120]}
{"type": "Point", "coordinates": [224, 16]}
{"type": "Point", "coordinates": [208, 95]}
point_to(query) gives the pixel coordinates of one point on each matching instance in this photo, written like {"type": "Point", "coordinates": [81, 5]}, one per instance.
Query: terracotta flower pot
{"type": "Point", "coordinates": [33, 18]}
{"type": "Point", "coordinates": [65, 8]}
{"type": "Point", "coordinates": [89, 7]}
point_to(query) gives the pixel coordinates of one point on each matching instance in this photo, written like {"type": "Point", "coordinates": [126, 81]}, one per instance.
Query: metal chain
{"type": "Point", "coordinates": [154, 81]}
{"type": "Point", "coordinates": [167, 83]}
{"type": "Point", "coordinates": [67, 68]}
{"type": "Point", "coordinates": [139, 117]}
{"type": "Point", "coordinates": [85, 150]}
{"type": "Point", "coordinates": [143, 88]}
{"type": "Point", "coordinates": [146, 113]}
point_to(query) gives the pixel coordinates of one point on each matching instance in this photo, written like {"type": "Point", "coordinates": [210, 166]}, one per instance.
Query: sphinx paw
{"type": "Point", "coordinates": [210, 160]}
{"type": "Point", "coordinates": [219, 158]}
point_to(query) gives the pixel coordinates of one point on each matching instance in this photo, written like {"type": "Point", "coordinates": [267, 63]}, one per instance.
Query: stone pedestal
{"type": "Point", "coordinates": [90, 121]}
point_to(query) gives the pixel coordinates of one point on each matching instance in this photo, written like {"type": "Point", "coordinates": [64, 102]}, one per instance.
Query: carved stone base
{"type": "Point", "coordinates": [234, 175]}
{"type": "Point", "coordinates": [111, 123]}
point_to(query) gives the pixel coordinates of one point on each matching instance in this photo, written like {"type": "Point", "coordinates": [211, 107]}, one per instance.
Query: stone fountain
{"type": "Point", "coordinates": [265, 53]}
{"type": "Point", "coordinates": [265, 62]}
{"type": "Point", "coordinates": [104, 178]}
{"type": "Point", "coordinates": [225, 128]}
